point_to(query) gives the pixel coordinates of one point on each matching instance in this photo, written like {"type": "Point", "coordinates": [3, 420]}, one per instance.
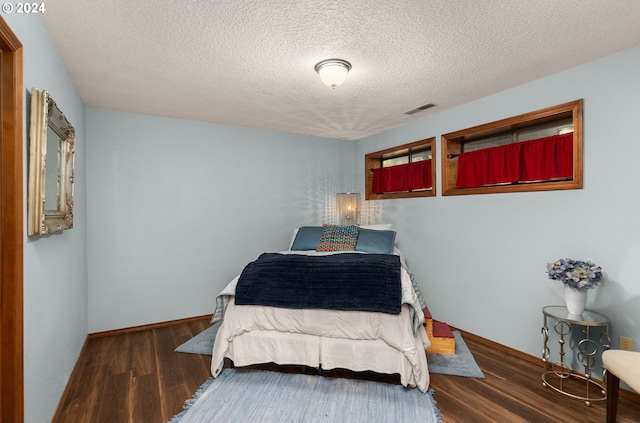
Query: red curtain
{"type": "Point", "coordinates": [542, 159]}
{"type": "Point", "coordinates": [400, 178]}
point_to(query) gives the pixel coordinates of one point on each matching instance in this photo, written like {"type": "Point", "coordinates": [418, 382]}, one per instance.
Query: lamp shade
{"type": "Point", "coordinates": [348, 204]}
{"type": "Point", "coordinates": [333, 72]}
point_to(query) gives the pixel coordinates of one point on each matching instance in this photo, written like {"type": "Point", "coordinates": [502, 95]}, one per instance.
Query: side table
{"type": "Point", "coordinates": [555, 373]}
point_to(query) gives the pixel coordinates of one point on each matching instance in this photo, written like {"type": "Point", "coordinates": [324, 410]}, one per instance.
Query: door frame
{"type": "Point", "coordinates": [11, 228]}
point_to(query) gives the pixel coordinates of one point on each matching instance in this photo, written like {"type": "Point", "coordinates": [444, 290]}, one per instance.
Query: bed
{"type": "Point", "coordinates": [327, 305]}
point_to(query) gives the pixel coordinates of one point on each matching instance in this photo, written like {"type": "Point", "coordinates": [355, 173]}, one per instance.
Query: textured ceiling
{"type": "Point", "coordinates": [250, 63]}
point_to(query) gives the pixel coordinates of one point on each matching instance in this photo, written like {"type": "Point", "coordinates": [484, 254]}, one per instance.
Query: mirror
{"type": "Point", "coordinates": [50, 207]}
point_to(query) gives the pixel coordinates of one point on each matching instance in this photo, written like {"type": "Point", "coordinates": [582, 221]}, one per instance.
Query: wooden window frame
{"type": "Point", "coordinates": [452, 145]}
{"type": "Point", "coordinates": [374, 161]}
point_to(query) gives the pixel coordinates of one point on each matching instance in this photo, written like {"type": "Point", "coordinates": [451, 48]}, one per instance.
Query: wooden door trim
{"type": "Point", "coordinates": [11, 227]}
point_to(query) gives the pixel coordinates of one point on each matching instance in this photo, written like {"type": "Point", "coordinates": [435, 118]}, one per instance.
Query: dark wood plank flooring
{"type": "Point", "coordinates": [137, 377]}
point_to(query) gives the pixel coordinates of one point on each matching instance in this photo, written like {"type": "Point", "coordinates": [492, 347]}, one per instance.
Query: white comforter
{"type": "Point", "coordinates": [386, 343]}
{"type": "Point", "coordinates": [409, 295]}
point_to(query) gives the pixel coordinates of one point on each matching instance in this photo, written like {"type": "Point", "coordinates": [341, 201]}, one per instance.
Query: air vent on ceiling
{"type": "Point", "coordinates": [419, 109]}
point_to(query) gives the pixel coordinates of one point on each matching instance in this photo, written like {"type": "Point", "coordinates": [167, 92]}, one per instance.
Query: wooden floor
{"type": "Point", "coordinates": [137, 377]}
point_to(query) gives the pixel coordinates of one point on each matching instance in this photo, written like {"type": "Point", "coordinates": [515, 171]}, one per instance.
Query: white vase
{"type": "Point", "coordinates": [575, 299]}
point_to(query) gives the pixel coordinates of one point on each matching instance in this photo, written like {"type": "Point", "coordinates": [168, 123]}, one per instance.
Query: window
{"type": "Point", "coordinates": [408, 158]}
{"type": "Point", "coordinates": [405, 171]}
{"type": "Point", "coordinates": [536, 151]}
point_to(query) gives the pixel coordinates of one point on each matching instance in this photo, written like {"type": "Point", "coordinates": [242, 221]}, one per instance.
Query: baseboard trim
{"type": "Point", "coordinates": [503, 348]}
{"type": "Point", "coordinates": [624, 393]}
{"type": "Point", "coordinates": [140, 328]}
{"type": "Point", "coordinates": [115, 333]}
{"type": "Point", "coordinates": [65, 391]}
{"type": "Point", "coordinates": [630, 395]}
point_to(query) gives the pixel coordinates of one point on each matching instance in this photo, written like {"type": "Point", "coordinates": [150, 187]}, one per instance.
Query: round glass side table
{"type": "Point", "coordinates": [595, 340]}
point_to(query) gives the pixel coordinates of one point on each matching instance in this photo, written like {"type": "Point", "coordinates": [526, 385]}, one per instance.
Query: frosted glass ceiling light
{"type": "Point", "coordinates": [333, 72]}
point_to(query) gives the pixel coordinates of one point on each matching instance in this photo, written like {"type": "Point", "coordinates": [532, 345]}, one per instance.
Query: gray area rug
{"type": "Point", "coordinates": [247, 395]}
{"type": "Point", "coordinates": [461, 363]}
{"type": "Point", "coordinates": [202, 343]}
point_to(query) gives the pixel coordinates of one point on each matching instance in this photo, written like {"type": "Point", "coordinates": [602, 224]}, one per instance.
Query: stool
{"type": "Point", "coordinates": [620, 365]}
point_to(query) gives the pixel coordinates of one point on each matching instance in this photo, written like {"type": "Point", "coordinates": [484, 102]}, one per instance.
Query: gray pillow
{"type": "Point", "coordinates": [373, 241]}
{"type": "Point", "coordinates": [307, 238]}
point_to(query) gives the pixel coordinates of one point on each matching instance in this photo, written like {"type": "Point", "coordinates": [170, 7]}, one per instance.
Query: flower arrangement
{"type": "Point", "coordinates": [574, 273]}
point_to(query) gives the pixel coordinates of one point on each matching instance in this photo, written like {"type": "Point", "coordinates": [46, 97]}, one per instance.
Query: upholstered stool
{"type": "Point", "coordinates": [620, 365]}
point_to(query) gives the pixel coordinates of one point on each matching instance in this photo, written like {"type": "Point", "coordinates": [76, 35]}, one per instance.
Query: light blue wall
{"type": "Point", "coordinates": [55, 266]}
{"type": "Point", "coordinates": [178, 208]}
{"type": "Point", "coordinates": [481, 259]}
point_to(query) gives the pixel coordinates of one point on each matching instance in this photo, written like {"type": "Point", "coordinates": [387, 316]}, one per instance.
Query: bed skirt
{"type": "Point", "coordinates": [357, 341]}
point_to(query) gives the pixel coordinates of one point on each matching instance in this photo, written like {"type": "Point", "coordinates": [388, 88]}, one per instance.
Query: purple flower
{"type": "Point", "coordinates": [575, 273]}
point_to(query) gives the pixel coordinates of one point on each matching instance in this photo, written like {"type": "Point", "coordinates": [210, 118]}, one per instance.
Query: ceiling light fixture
{"type": "Point", "coordinates": [333, 72]}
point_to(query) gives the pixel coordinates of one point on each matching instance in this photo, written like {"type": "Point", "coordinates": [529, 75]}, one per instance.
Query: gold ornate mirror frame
{"type": "Point", "coordinates": [50, 203]}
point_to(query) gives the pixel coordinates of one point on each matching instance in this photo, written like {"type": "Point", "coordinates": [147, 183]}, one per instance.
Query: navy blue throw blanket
{"type": "Point", "coordinates": [348, 281]}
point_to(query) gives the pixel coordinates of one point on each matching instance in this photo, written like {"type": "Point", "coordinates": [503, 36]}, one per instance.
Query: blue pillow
{"type": "Point", "coordinates": [373, 241]}
{"type": "Point", "coordinates": [307, 238]}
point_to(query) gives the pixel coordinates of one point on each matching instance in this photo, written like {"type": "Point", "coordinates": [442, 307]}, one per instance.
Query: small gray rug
{"type": "Point", "coordinates": [202, 343]}
{"type": "Point", "coordinates": [247, 395]}
{"type": "Point", "coordinates": [461, 363]}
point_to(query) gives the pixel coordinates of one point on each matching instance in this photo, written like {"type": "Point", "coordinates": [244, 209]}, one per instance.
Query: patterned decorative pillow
{"type": "Point", "coordinates": [338, 238]}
